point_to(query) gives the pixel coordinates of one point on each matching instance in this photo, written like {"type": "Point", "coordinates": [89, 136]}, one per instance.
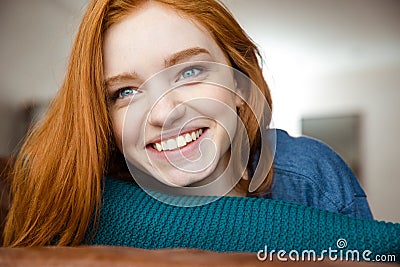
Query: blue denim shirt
{"type": "Point", "coordinates": [308, 172]}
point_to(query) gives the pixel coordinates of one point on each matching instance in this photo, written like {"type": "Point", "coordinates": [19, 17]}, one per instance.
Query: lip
{"type": "Point", "coordinates": [187, 151]}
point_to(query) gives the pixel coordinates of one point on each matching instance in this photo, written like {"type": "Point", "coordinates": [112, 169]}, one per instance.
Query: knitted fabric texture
{"type": "Point", "coordinates": [130, 217]}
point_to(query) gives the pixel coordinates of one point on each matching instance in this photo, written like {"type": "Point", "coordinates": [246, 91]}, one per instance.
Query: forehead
{"type": "Point", "coordinates": [148, 35]}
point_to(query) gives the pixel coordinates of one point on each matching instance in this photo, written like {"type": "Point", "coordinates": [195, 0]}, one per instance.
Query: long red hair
{"type": "Point", "coordinates": [58, 175]}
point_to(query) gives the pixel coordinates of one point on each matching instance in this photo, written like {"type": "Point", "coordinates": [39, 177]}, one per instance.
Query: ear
{"type": "Point", "coordinates": [246, 175]}
{"type": "Point", "coordinates": [238, 100]}
{"type": "Point", "coordinates": [237, 91]}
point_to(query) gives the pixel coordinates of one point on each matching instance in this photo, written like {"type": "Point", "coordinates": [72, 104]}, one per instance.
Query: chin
{"type": "Point", "coordinates": [182, 181]}
{"type": "Point", "coordinates": [186, 179]}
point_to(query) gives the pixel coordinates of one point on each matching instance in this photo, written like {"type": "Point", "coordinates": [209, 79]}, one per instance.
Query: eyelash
{"type": "Point", "coordinates": [191, 68]}
{"type": "Point", "coordinates": [117, 94]}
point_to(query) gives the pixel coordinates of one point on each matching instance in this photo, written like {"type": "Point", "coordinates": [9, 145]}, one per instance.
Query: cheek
{"type": "Point", "coordinates": [221, 102]}
{"type": "Point", "coordinates": [127, 125]}
{"type": "Point", "coordinates": [225, 111]}
{"type": "Point", "coordinates": [117, 126]}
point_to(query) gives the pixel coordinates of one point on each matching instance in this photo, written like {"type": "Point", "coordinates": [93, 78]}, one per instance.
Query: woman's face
{"type": "Point", "coordinates": [168, 120]}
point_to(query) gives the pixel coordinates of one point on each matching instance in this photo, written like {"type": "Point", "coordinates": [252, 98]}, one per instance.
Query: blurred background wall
{"type": "Point", "coordinates": [324, 60]}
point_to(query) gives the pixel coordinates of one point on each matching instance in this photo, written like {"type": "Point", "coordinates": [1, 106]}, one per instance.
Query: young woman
{"type": "Point", "coordinates": [162, 83]}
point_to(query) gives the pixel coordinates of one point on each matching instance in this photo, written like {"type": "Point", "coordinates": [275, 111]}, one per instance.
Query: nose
{"type": "Point", "coordinates": [167, 110]}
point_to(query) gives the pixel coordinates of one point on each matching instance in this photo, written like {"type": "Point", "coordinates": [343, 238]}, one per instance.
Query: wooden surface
{"type": "Point", "coordinates": [123, 256]}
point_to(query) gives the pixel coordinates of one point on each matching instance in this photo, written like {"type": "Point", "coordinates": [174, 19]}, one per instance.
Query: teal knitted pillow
{"type": "Point", "coordinates": [130, 217]}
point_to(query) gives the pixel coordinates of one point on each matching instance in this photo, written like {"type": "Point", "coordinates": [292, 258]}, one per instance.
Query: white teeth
{"type": "Point", "coordinates": [172, 144]}
{"type": "Point", "coordinates": [188, 138]}
{"type": "Point", "coordinates": [164, 146]}
{"type": "Point", "coordinates": [180, 141]}
{"type": "Point", "coordinates": [158, 147]}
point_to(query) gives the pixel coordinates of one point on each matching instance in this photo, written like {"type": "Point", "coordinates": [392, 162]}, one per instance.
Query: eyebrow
{"type": "Point", "coordinates": [184, 54]}
{"type": "Point", "coordinates": [170, 61]}
{"type": "Point", "coordinates": [126, 76]}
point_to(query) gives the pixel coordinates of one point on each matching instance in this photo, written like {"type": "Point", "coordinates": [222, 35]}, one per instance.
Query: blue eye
{"type": "Point", "coordinates": [124, 92]}
{"type": "Point", "coordinates": [190, 72]}
{"type": "Point", "coordinates": [127, 92]}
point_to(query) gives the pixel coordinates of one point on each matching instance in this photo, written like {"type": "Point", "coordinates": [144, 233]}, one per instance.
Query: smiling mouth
{"type": "Point", "coordinates": [178, 142]}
